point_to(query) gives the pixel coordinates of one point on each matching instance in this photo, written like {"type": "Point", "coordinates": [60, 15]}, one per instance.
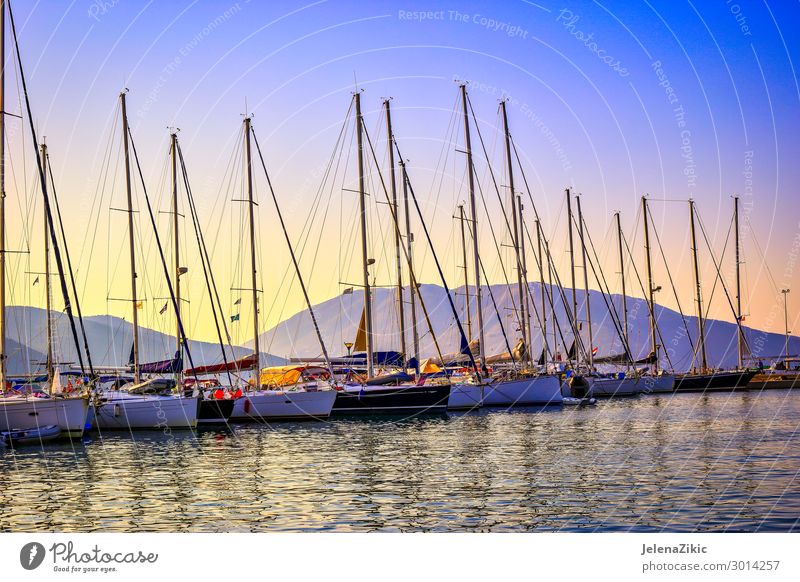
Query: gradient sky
{"type": "Point", "coordinates": [592, 114]}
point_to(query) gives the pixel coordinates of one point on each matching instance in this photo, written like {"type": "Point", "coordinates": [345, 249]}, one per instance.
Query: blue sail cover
{"type": "Point", "coordinates": [172, 366]}
{"type": "Point", "coordinates": [390, 358]}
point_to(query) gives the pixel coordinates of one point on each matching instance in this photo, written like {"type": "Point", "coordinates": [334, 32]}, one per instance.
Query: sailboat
{"type": "Point", "coordinates": [657, 379]}
{"type": "Point", "coordinates": [599, 385]}
{"type": "Point", "coordinates": [144, 403]}
{"type": "Point", "coordinates": [705, 379]}
{"type": "Point", "coordinates": [29, 408]}
{"type": "Point", "coordinates": [391, 394]}
{"type": "Point", "coordinates": [303, 393]}
{"type": "Point", "coordinates": [519, 387]}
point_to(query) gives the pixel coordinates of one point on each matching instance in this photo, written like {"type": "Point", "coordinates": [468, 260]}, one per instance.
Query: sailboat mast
{"type": "Point", "coordinates": [651, 313]}
{"type": "Point", "coordinates": [252, 224]}
{"type": "Point", "coordinates": [700, 324]}
{"type": "Point", "coordinates": [364, 258]}
{"type": "Point", "coordinates": [739, 330]}
{"type": "Point", "coordinates": [131, 237]}
{"type": "Point", "coordinates": [586, 284]}
{"type": "Point", "coordinates": [541, 286]}
{"type": "Point", "coordinates": [524, 276]}
{"type": "Point", "coordinates": [576, 328]}
{"type": "Point", "coordinates": [474, 218]}
{"type": "Point", "coordinates": [48, 306]}
{"type": "Point", "coordinates": [2, 196]}
{"type": "Point", "coordinates": [397, 241]}
{"type": "Point", "coordinates": [462, 218]}
{"type": "Point", "coordinates": [177, 248]}
{"type": "Point", "coordinates": [625, 336]}
{"type": "Point", "coordinates": [515, 231]}
{"type": "Point", "coordinates": [411, 287]}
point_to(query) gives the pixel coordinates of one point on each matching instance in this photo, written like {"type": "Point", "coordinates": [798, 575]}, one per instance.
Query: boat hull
{"type": "Point", "coordinates": [391, 400]}
{"type": "Point", "coordinates": [465, 397]}
{"type": "Point", "coordinates": [33, 436]}
{"type": "Point", "coordinates": [147, 412]}
{"type": "Point", "coordinates": [610, 387]}
{"type": "Point", "coordinates": [289, 405]}
{"type": "Point", "coordinates": [774, 381]}
{"type": "Point", "coordinates": [656, 384]}
{"type": "Point", "coordinates": [535, 391]}
{"type": "Point", "coordinates": [212, 412]}
{"type": "Point", "coordinates": [722, 381]}
{"type": "Point", "coordinates": [67, 413]}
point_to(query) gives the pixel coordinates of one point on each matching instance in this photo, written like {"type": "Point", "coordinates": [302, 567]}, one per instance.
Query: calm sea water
{"type": "Point", "coordinates": [680, 463]}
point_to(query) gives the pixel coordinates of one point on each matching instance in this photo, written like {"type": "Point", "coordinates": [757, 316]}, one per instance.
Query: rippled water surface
{"type": "Point", "coordinates": [676, 462]}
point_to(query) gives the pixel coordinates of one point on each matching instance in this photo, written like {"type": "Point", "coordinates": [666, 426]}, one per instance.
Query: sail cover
{"type": "Point", "coordinates": [163, 367]}
{"type": "Point", "coordinates": [247, 363]}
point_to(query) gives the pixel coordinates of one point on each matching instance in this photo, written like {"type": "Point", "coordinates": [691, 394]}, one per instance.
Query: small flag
{"type": "Point", "coordinates": [138, 305]}
{"type": "Point", "coordinates": [234, 318]}
{"type": "Point", "coordinates": [238, 301]}
{"type": "Point", "coordinates": [163, 310]}
{"type": "Point", "coordinates": [594, 351]}
{"type": "Point", "coordinates": [35, 281]}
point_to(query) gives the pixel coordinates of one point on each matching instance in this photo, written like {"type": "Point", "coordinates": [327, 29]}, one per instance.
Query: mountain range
{"type": "Point", "coordinates": [338, 320]}
{"type": "Point", "coordinates": [109, 337]}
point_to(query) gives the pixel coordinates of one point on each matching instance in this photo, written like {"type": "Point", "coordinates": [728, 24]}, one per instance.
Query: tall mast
{"type": "Point", "coordinates": [739, 330]}
{"type": "Point", "coordinates": [364, 258]}
{"type": "Point", "coordinates": [524, 276]}
{"type": "Point", "coordinates": [586, 284]}
{"type": "Point", "coordinates": [2, 196]}
{"type": "Point", "coordinates": [251, 206]}
{"type": "Point", "coordinates": [516, 232]}
{"type": "Point", "coordinates": [177, 249]}
{"type": "Point", "coordinates": [397, 241]}
{"type": "Point", "coordinates": [466, 271]}
{"type": "Point", "coordinates": [474, 217]}
{"type": "Point", "coordinates": [411, 287]}
{"type": "Point", "coordinates": [541, 285]}
{"type": "Point", "coordinates": [625, 337]}
{"type": "Point", "coordinates": [48, 306]}
{"type": "Point", "coordinates": [651, 313]}
{"type": "Point", "coordinates": [131, 237]}
{"type": "Point", "coordinates": [700, 324]}
{"type": "Point", "coordinates": [576, 328]}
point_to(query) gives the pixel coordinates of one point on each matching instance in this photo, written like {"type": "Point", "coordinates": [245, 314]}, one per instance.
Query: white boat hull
{"type": "Point", "coordinates": [277, 404]}
{"type": "Point", "coordinates": [67, 413]}
{"type": "Point", "coordinates": [538, 390]}
{"type": "Point", "coordinates": [465, 397]}
{"type": "Point", "coordinates": [608, 387]}
{"type": "Point", "coordinates": [145, 412]}
{"type": "Point", "coordinates": [656, 384]}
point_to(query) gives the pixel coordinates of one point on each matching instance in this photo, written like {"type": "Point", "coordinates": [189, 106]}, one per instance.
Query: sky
{"type": "Point", "coordinates": [673, 100]}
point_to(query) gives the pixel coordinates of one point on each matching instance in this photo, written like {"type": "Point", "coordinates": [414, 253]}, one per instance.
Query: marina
{"type": "Point", "coordinates": [377, 307]}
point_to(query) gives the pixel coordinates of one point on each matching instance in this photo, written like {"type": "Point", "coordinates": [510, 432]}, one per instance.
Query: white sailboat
{"type": "Point", "coordinates": [521, 388]}
{"type": "Point", "coordinates": [150, 404]}
{"type": "Point", "coordinates": [144, 407]}
{"type": "Point", "coordinates": [30, 408]}
{"type": "Point", "coordinates": [290, 394]}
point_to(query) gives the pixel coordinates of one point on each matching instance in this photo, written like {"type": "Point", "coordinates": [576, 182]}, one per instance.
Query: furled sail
{"type": "Point", "coordinates": [171, 366]}
{"type": "Point", "coordinates": [246, 363]}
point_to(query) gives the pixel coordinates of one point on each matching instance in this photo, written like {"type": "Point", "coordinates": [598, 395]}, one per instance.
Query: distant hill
{"type": "Point", "coordinates": [109, 337]}
{"type": "Point", "coordinates": [338, 319]}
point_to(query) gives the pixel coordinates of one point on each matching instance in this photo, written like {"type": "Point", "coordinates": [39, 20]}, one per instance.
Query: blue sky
{"type": "Point", "coordinates": [589, 108]}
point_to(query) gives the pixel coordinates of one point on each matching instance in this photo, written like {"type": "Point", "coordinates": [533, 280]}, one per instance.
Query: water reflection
{"type": "Point", "coordinates": [677, 462]}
